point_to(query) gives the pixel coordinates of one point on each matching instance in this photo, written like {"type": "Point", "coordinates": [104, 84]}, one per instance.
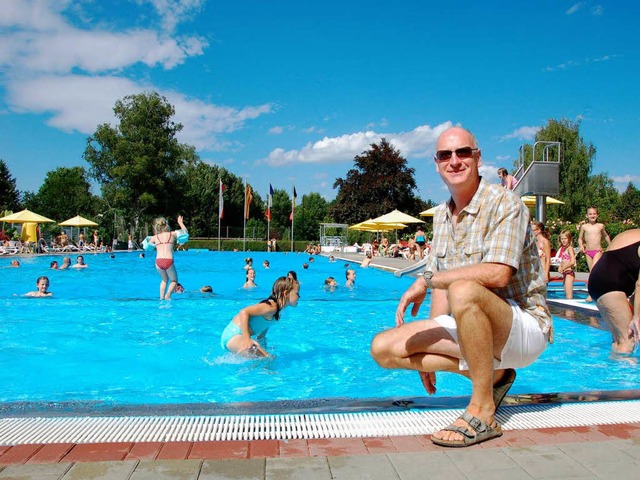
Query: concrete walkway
{"type": "Point", "coordinates": [585, 453]}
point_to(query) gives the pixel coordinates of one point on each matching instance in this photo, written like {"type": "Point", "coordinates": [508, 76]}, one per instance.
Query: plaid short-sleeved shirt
{"type": "Point", "coordinates": [493, 228]}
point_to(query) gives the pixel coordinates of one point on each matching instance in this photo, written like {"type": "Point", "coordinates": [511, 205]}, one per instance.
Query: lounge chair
{"type": "Point", "coordinates": [7, 248]}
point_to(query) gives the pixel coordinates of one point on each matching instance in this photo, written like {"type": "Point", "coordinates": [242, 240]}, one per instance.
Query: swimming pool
{"type": "Point", "coordinates": [105, 338]}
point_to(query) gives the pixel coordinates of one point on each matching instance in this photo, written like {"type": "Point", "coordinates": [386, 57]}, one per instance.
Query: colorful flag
{"type": "Point", "coordinates": [248, 197]}
{"type": "Point", "coordinates": [293, 204]}
{"type": "Point", "coordinates": [269, 203]}
{"type": "Point", "coordinates": [221, 201]}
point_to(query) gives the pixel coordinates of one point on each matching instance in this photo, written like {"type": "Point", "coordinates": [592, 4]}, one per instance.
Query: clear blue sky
{"type": "Point", "coordinates": [290, 91]}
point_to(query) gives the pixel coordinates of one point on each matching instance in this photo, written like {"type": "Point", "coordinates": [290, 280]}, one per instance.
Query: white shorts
{"type": "Point", "coordinates": [525, 343]}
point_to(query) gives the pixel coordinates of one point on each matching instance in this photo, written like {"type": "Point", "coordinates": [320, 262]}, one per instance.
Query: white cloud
{"type": "Point", "coordinates": [174, 12]}
{"type": "Point", "coordinates": [575, 7]}
{"type": "Point", "coordinates": [562, 66]}
{"type": "Point", "coordinates": [277, 130]}
{"type": "Point", "coordinates": [597, 10]}
{"type": "Point", "coordinates": [416, 143]}
{"type": "Point", "coordinates": [574, 63]}
{"type": "Point", "coordinates": [623, 180]}
{"type": "Point", "coordinates": [35, 40]}
{"type": "Point", "coordinates": [81, 103]}
{"type": "Point", "coordinates": [522, 133]}
{"type": "Point", "coordinates": [75, 76]}
{"type": "Point", "coordinates": [382, 123]}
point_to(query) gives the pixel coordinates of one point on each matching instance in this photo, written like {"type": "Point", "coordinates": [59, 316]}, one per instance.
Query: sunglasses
{"type": "Point", "coordinates": [461, 153]}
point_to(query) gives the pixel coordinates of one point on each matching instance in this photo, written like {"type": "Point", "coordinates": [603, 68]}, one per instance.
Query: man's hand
{"type": "Point", "coordinates": [415, 294]}
{"type": "Point", "coordinates": [428, 381]}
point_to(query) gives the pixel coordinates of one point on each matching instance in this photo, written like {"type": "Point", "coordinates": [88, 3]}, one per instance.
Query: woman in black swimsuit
{"type": "Point", "coordinates": [612, 281]}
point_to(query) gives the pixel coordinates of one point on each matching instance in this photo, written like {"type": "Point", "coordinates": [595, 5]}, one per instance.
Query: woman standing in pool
{"type": "Point", "coordinates": [614, 283]}
{"type": "Point", "coordinates": [246, 333]}
{"type": "Point", "coordinates": [164, 240]}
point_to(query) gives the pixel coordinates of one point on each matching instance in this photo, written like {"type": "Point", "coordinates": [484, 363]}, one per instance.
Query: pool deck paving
{"type": "Point", "coordinates": [600, 451]}
{"type": "Point", "coordinates": [595, 451]}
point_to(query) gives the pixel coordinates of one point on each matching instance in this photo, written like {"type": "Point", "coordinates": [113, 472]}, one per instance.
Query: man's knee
{"type": "Point", "coordinates": [380, 350]}
{"type": "Point", "coordinates": [463, 295]}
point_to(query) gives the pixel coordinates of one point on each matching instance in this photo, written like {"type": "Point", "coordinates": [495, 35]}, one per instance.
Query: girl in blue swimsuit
{"type": "Point", "coordinates": [249, 327]}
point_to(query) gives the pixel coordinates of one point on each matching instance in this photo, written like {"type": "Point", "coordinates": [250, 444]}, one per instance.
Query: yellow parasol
{"type": "Point", "coordinates": [396, 216]}
{"type": "Point", "coordinates": [530, 201]}
{"type": "Point", "coordinates": [371, 226]}
{"type": "Point", "coordinates": [78, 221]}
{"type": "Point", "coordinates": [430, 212]}
{"type": "Point", "coordinates": [26, 216]}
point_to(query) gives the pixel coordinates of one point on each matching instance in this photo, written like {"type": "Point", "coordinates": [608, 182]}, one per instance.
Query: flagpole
{"type": "Point", "coordinates": [268, 222]}
{"type": "Point", "coordinates": [293, 204]}
{"type": "Point", "coordinates": [244, 219]}
{"type": "Point", "coordinates": [219, 209]}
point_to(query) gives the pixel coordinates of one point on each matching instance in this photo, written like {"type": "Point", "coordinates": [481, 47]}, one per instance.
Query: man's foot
{"type": "Point", "coordinates": [469, 431]}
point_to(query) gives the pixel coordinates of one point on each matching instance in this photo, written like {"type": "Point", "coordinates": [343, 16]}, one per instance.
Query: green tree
{"type": "Point", "coordinates": [201, 197]}
{"type": "Point", "coordinates": [65, 193]}
{"type": "Point", "coordinates": [603, 194]}
{"type": "Point", "coordinates": [629, 205]}
{"type": "Point", "coordinates": [380, 182]}
{"type": "Point", "coordinates": [312, 211]}
{"type": "Point", "coordinates": [280, 227]}
{"type": "Point", "coordinates": [139, 164]}
{"type": "Point", "coordinates": [9, 195]}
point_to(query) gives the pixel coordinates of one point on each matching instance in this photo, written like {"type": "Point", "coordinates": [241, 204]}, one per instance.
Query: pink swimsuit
{"type": "Point", "coordinates": [592, 253]}
{"type": "Point", "coordinates": [565, 256]}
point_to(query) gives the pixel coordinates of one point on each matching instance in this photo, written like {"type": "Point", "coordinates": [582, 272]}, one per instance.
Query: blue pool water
{"type": "Point", "coordinates": [105, 337]}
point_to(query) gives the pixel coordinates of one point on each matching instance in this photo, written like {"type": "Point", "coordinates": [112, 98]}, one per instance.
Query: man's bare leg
{"type": "Point", "coordinates": [421, 345]}
{"type": "Point", "coordinates": [484, 323]}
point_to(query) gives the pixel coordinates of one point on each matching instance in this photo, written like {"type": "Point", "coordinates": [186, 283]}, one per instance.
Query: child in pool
{"type": "Point", "coordinates": [330, 284]}
{"type": "Point", "coordinates": [568, 262]}
{"type": "Point", "coordinates": [250, 279]}
{"type": "Point", "coordinates": [164, 240]}
{"type": "Point", "coordinates": [249, 327]}
{"type": "Point", "coordinates": [350, 275]}
{"type": "Point", "coordinates": [43, 288]}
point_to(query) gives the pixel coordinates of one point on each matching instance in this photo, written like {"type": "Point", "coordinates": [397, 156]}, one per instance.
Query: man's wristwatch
{"type": "Point", "coordinates": [427, 275]}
